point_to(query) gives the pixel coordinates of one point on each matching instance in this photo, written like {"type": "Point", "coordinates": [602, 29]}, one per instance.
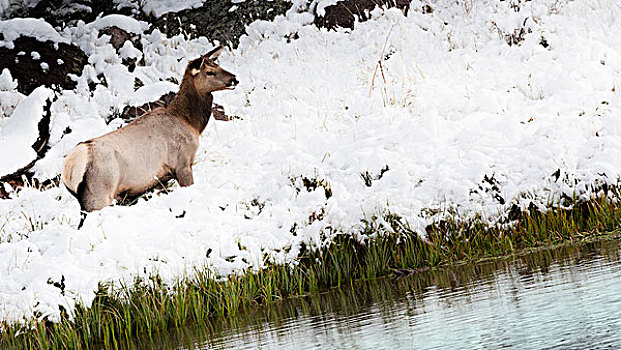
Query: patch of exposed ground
{"type": "Point", "coordinates": [345, 13]}
{"type": "Point", "coordinates": [220, 20]}
{"type": "Point", "coordinates": [62, 12]}
{"type": "Point", "coordinates": [34, 63]}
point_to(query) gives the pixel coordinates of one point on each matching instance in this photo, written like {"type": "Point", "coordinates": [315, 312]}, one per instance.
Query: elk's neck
{"type": "Point", "coordinates": [195, 109]}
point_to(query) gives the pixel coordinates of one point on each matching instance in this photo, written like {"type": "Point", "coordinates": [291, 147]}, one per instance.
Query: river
{"type": "Point", "coordinates": [568, 297]}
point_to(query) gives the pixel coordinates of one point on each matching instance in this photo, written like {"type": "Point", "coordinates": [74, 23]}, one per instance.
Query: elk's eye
{"type": "Point", "coordinates": [210, 73]}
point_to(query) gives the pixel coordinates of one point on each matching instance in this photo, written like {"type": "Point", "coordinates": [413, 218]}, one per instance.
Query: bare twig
{"type": "Point", "coordinates": [381, 67]}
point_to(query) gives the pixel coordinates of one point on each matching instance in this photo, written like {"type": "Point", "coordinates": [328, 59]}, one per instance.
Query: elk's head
{"type": "Point", "coordinates": [207, 74]}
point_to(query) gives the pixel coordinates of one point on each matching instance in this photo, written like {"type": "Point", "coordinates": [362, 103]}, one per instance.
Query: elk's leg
{"type": "Point", "coordinates": [82, 218]}
{"type": "Point", "coordinates": [94, 193]}
{"type": "Point", "coordinates": [185, 177]}
{"type": "Point", "coordinates": [95, 200]}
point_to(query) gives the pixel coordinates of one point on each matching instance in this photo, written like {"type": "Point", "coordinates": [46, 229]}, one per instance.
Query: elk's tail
{"type": "Point", "coordinates": [74, 168]}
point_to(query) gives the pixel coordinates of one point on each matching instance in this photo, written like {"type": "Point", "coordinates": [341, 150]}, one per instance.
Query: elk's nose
{"type": "Point", "coordinates": [232, 82]}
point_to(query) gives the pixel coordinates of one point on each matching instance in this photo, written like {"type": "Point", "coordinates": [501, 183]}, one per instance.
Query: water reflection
{"type": "Point", "coordinates": [565, 298]}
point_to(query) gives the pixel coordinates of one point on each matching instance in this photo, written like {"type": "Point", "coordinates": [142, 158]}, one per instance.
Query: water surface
{"type": "Point", "coordinates": [564, 298]}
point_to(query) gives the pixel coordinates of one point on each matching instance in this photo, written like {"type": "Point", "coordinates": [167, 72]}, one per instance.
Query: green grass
{"type": "Point", "coordinates": [119, 316]}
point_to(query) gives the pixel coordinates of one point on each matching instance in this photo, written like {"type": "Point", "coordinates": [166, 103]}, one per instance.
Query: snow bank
{"type": "Point", "coordinates": [37, 28]}
{"type": "Point", "coordinates": [128, 24]}
{"type": "Point", "coordinates": [160, 7]}
{"type": "Point", "coordinates": [19, 132]}
{"type": "Point", "coordinates": [145, 94]}
{"type": "Point", "coordinates": [9, 96]}
{"type": "Point", "coordinates": [465, 124]}
{"type": "Point", "coordinates": [320, 6]}
{"type": "Point", "coordinates": [7, 83]}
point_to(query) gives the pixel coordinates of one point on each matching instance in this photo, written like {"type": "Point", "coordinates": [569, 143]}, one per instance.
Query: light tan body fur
{"type": "Point", "coordinates": [155, 147]}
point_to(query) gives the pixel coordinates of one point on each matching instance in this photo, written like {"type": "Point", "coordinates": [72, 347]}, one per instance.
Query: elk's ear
{"type": "Point", "coordinates": [195, 66]}
{"type": "Point", "coordinates": [213, 54]}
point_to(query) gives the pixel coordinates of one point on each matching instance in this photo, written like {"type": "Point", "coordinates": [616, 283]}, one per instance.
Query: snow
{"type": "Point", "coordinates": [466, 124]}
{"type": "Point", "coordinates": [38, 28]}
{"type": "Point", "coordinates": [6, 81]}
{"type": "Point", "coordinates": [145, 94]}
{"type": "Point", "coordinates": [129, 51]}
{"type": "Point", "coordinates": [20, 131]}
{"type": "Point", "coordinates": [9, 97]}
{"type": "Point", "coordinates": [125, 23]}
{"type": "Point", "coordinates": [160, 7]}
{"type": "Point", "coordinates": [321, 6]}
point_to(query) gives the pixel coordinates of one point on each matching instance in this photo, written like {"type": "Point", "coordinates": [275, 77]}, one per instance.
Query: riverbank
{"type": "Point", "coordinates": [121, 314]}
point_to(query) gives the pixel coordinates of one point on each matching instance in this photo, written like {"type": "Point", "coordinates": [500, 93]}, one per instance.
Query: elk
{"type": "Point", "coordinates": [157, 146]}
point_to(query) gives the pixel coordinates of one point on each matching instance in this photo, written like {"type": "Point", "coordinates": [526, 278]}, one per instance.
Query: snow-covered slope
{"type": "Point", "coordinates": [464, 123]}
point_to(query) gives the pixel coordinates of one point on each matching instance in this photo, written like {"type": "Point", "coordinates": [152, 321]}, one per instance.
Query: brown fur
{"type": "Point", "coordinates": [155, 147]}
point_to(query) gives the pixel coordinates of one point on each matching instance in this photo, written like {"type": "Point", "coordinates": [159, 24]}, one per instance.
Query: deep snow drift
{"type": "Point", "coordinates": [465, 123]}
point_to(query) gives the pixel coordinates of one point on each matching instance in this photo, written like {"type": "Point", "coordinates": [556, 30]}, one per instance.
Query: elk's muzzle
{"type": "Point", "coordinates": [232, 84]}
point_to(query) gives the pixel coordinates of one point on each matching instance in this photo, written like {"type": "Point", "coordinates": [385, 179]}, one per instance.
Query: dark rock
{"type": "Point", "coordinates": [61, 13]}
{"type": "Point", "coordinates": [118, 37]}
{"type": "Point", "coordinates": [138, 84]}
{"type": "Point", "coordinates": [343, 14]}
{"type": "Point", "coordinates": [67, 12]}
{"type": "Point", "coordinates": [218, 113]}
{"type": "Point", "coordinates": [214, 20]}
{"type": "Point", "coordinates": [28, 71]}
{"type": "Point", "coordinates": [40, 146]}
